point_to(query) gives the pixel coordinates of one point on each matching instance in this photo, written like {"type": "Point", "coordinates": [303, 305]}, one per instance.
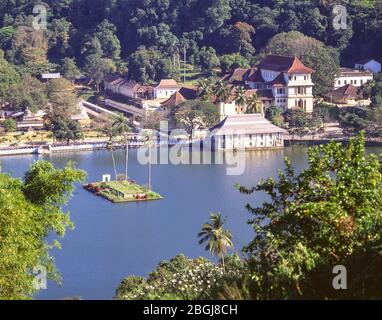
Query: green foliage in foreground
{"type": "Point", "coordinates": [30, 210]}
{"type": "Point", "coordinates": [185, 279]}
{"type": "Point", "coordinates": [330, 214]}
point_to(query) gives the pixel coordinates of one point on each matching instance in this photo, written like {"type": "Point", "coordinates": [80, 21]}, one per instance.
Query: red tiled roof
{"type": "Point", "coordinates": [239, 75]}
{"type": "Point", "coordinates": [168, 84]}
{"type": "Point", "coordinates": [349, 92]}
{"type": "Point", "coordinates": [175, 100]}
{"type": "Point", "coordinates": [290, 65]}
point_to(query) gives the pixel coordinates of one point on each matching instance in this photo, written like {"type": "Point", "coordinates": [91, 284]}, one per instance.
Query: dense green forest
{"type": "Point", "coordinates": [148, 36]}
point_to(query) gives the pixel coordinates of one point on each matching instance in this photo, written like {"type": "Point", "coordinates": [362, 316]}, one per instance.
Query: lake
{"type": "Point", "coordinates": [113, 241]}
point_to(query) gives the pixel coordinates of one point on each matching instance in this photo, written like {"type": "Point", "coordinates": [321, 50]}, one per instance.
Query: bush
{"type": "Point", "coordinates": [10, 125]}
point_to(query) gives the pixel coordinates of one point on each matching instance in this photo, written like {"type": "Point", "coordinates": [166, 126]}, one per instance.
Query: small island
{"type": "Point", "coordinates": [122, 191]}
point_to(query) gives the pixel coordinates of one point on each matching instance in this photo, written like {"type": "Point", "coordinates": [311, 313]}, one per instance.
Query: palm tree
{"type": "Point", "coordinates": [149, 142]}
{"type": "Point", "coordinates": [240, 98]}
{"type": "Point", "coordinates": [222, 91]}
{"type": "Point", "coordinates": [253, 105]}
{"type": "Point", "coordinates": [204, 89]}
{"type": "Point", "coordinates": [217, 238]}
{"type": "Point", "coordinates": [121, 124]}
{"type": "Point", "coordinates": [111, 132]}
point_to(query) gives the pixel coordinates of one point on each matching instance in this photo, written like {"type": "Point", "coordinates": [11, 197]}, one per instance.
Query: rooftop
{"type": "Point", "coordinates": [245, 124]}
{"type": "Point", "coordinates": [349, 92]}
{"type": "Point", "coordinates": [350, 72]}
{"type": "Point", "coordinates": [291, 65]}
{"type": "Point", "coordinates": [168, 84]}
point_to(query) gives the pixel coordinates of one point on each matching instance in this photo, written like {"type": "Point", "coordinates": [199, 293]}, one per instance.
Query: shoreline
{"type": "Point", "coordinates": [102, 145]}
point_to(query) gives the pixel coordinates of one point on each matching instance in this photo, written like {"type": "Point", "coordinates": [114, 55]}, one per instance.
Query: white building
{"type": "Point", "coordinates": [230, 108]}
{"type": "Point", "coordinates": [368, 64]}
{"type": "Point", "coordinates": [355, 77]}
{"type": "Point", "coordinates": [281, 81]}
{"type": "Point", "coordinates": [166, 89]}
{"type": "Point", "coordinates": [248, 131]}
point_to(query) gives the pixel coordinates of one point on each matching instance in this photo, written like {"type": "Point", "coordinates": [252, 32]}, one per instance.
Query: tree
{"type": "Point", "coordinates": [207, 59]}
{"type": "Point", "coordinates": [70, 70]}
{"type": "Point", "coordinates": [205, 89]}
{"type": "Point", "coordinates": [28, 93]}
{"type": "Point", "coordinates": [218, 239]}
{"type": "Point", "coordinates": [327, 215]}
{"type": "Point", "coordinates": [253, 104]}
{"type": "Point", "coordinates": [230, 62]}
{"type": "Point", "coordinates": [10, 125]}
{"type": "Point", "coordinates": [30, 210]}
{"type": "Point", "coordinates": [97, 68]}
{"type": "Point", "coordinates": [8, 77]}
{"type": "Point", "coordinates": [62, 97]}
{"type": "Point", "coordinates": [65, 129]}
{"type": "Point", "coordinates": [59, 36]}
{"type": "Point", "coordinates": [29, 46]}
{"type": "Point", "coordinates": [194, 114]}
{"type": "Point", "coordinates": [241, 39]}
{"type": "Point", "coordinates": [222, 91]}
{"type": "Point", "coordinates": [148, 65]}
{"type": "Point", "coordinates": [298, 121]}
{"type": "Point", "coordinates": [313, 53]}
{"type": "Point", "coordinates": [352, 123]}
{"type": "Point", "coordinates": [110, 44]}
{"type": "Point", "coordinates": [240, 98]}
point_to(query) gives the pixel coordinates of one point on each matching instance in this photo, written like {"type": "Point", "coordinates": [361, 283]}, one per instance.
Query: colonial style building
{"type": "Point", "coordinates": [278, 80]}
{"type": "Point", "coordinates": [131, 89]}
{"type": "Point", "coordinates": [166, 89]}
{"type": "Point", "coordinates": [355, 77]}
{"type": "Point", "coordinates": [248, 131]}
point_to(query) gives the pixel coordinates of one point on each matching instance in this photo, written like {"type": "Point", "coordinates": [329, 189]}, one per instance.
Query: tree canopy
{"type": "Point", "coordinates": [327, 215]}
{"type": "Point", "coordinates": [30, 210]}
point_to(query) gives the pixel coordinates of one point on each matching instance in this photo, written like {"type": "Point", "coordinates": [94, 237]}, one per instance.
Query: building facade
{"type": "Point", "coordinates": [355, 77]}
{"type": "Point", "coordinates": [248, 132]}
{"type": "Point", "coordinates": [278, 80]}
{"type": "Point", "coordinates": [166, 89]}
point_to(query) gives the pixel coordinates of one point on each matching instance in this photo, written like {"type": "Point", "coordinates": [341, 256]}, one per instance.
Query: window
{"type": "Point", "coordinates": [345, 82]}
{"type": "Point", "coordinates": [339, 82]}
{"type": "Point", "coordinates": [361, 81]}
{"type": "Point", "coordinates": [355, 81]}
{"type": "Point", "coordinates": [304, 77]}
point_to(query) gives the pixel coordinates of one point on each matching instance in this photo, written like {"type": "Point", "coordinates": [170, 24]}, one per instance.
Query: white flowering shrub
{"type": "Point", "coordinates": [183, 278]}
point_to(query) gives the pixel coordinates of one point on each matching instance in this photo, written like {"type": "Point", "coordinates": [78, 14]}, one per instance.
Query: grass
{"type": "Point", "coordinates": [122, 191]}
{"type": "Point", "coordinates": [192, 75]}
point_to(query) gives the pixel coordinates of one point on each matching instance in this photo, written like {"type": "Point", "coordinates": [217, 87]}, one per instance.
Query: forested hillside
{"type": "Point", "coordinates": [149, 36]}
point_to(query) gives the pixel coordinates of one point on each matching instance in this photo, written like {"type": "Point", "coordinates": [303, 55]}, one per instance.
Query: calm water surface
{"type": "Point", "coordinates": [111, 241]}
